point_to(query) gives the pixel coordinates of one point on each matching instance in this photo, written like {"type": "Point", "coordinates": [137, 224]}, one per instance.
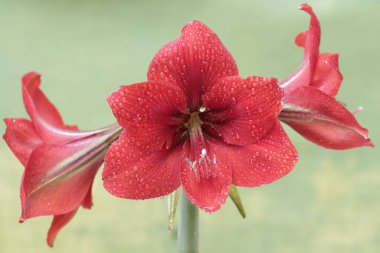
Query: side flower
{"type": "Point", "coordinates": [198, 124]}
{"type": "Point", "coordinates": [309, 104]}
{"type": "Point", "coordinates": [60, 161]}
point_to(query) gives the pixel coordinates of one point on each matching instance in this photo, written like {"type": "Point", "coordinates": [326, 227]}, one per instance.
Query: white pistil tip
{"type": "Point", "coordinates": [202, 109]}
{"type": "Point", "coordinates": [357, 110]}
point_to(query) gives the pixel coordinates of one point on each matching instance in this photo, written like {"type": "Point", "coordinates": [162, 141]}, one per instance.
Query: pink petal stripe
{"type": "Point", "coordinates": [241, 110]}
{"type": "Point", "coordinates": [194, 62]}
{"type": "Point", "coordinates": [152, 113]}
{"type": "Point", "coordinates": [323, 120]}
{"type": "Point", "coordinates": [133, 174]}
{"type": "Point", "coordinates": [52, 184]}
{"type": "Point", "coordinates": [264, 162]}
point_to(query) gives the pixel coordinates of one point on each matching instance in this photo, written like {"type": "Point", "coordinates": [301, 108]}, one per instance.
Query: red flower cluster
{"type": "Point", "coordinates": [194, 123]}
{"type": "Point", "coordinates": [60, 161]}
{"type": "Point", "coordinates": [309, 106]}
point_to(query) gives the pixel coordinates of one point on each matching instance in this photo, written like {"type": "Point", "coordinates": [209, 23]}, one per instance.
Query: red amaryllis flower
{"type": "Point", "coordinates": [60, 161]}
{"type": "Point", "coordinates": [196, 123]}
{"type": "Point", "coordinates": [309, 105]}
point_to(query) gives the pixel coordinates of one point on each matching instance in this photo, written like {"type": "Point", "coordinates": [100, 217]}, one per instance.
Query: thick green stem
{"type": "Point", "coordinates": [188, 227]}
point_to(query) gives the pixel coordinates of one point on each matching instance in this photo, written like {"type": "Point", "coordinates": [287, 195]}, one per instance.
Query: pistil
{"type": "Point", "coordinates": [199, 160]}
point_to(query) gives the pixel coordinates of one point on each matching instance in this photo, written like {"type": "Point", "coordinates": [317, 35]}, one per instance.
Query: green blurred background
{"type": "Point", "coordinates": [86, 49]}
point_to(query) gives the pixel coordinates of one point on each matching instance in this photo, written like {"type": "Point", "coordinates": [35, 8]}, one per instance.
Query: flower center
{"type": "Point", "coordinates": [201, 162]}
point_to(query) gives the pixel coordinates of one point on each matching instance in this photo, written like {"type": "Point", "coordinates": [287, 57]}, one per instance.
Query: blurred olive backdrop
{"type": "Point", "coordinates": [85, 49]}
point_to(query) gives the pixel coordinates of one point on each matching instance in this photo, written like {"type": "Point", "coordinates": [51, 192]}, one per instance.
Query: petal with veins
{"type": "Point", "coordinates": [323, 120]}
{"type": "Point", "coordinates": [131, 173]}
{"type": "Point", "coordinates": [266, 161]}
{"type": "Point", "coordinates": [311, 40]}
{"type": "Point", "coordinates": [206, 190]}
{"type": "Point", "coordinates": [56, 181]}
{"type": "Point", "coordinates": [327, 76]}
{"type": "Point", "coordinates": [241, 110]}
{"type": "Point", "coordinates": [21, 138]}
{"type": "Point", "coordinates": [45, 117]}
{"type": "Point", "coordinates": [151, 113]}
{"type": "Point", "coordinates": [194, 62]}
{"type": "Point", "coordinates": [38, 106]}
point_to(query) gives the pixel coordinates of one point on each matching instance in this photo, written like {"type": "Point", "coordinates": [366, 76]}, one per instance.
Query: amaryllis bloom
{"type": "Point", "coordinates": [195, 122]}
{"type": "Point", "coordinates": [309, 104]}
{"type": "Point", "coordinates": [60, 161]}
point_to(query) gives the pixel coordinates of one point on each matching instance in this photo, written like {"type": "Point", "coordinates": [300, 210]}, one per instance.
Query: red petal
{"type": "Point", "coordinates": [21, 138]}
{"type": "Point", "coordinates": [323, 120]}
{"type": "Point", "coordinates": [87, 201]}
{"type": "Point", "coordinates": [243, 110]}
{"type": "Point", "coordinates": [303, 75]}
{"type": "Point", "coordinates": [43, 113]}
{"type": "Point", "coordinates": [132, 174]}
{"type": "Point", "coordinates": [300, 39]}
{"type": "Point", "coordinates": [45, 117]}
{"type": "Point", "coordinates": [207, 192]}
{"type": "Point", "coordinates": [266, 161]}
{"type": "Point", "coordinates": [37, 104]}
{"type": "Point", "coordinates": [59, 221]}
{"type": "Point", "coordinates": [151, 112]}
{"type": "Point", "coordinates": [58, 178]}
{"type": "Point", "coordinates": [327, 76]}
{"type": "Point", "coordinates": [194, 62]}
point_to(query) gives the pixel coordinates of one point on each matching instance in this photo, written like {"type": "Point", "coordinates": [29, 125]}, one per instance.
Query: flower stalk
{"type": "Point", "coordinates": [188, 227]}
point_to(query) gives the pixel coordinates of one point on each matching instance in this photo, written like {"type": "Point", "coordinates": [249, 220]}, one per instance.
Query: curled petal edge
{"type": "Point", "coordinates": [310, 40]}
{"type": "Point", "coordinates": [323, 120]}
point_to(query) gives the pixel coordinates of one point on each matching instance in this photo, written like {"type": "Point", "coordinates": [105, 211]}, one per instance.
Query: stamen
{"type": "Point", "coordinates": [191, 163]}
{"type": "Point", "coordinates": [199, 160]}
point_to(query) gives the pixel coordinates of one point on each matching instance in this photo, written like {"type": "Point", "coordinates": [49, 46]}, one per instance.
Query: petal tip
{"type": "Point", "coordinates": [370, 144]}
{"type": "Point", "coordinates": [193, 23]}
{"type": "Point", "coordinates": [109, 99]}
{"type": "Point", "coordinates": [21, 219]}
{"type": "Point", "coordinates": [8, 121]}
{"type": "Point", "coordinates": [306, 7]}
{"type": "Point", "coordinates": [31, 78]}
{"type": "Point", "coordinates": [211, 210]}
{"type": "Point", "coordinates": [209, 207]}
{"type": "Point", "coordinates": [24, 216]}
{"type": "Point", "coordinates": [50, 241]}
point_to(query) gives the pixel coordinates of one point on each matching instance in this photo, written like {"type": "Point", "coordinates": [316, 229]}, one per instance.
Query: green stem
{"type": "Point", "coordinates": [188, 227]}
